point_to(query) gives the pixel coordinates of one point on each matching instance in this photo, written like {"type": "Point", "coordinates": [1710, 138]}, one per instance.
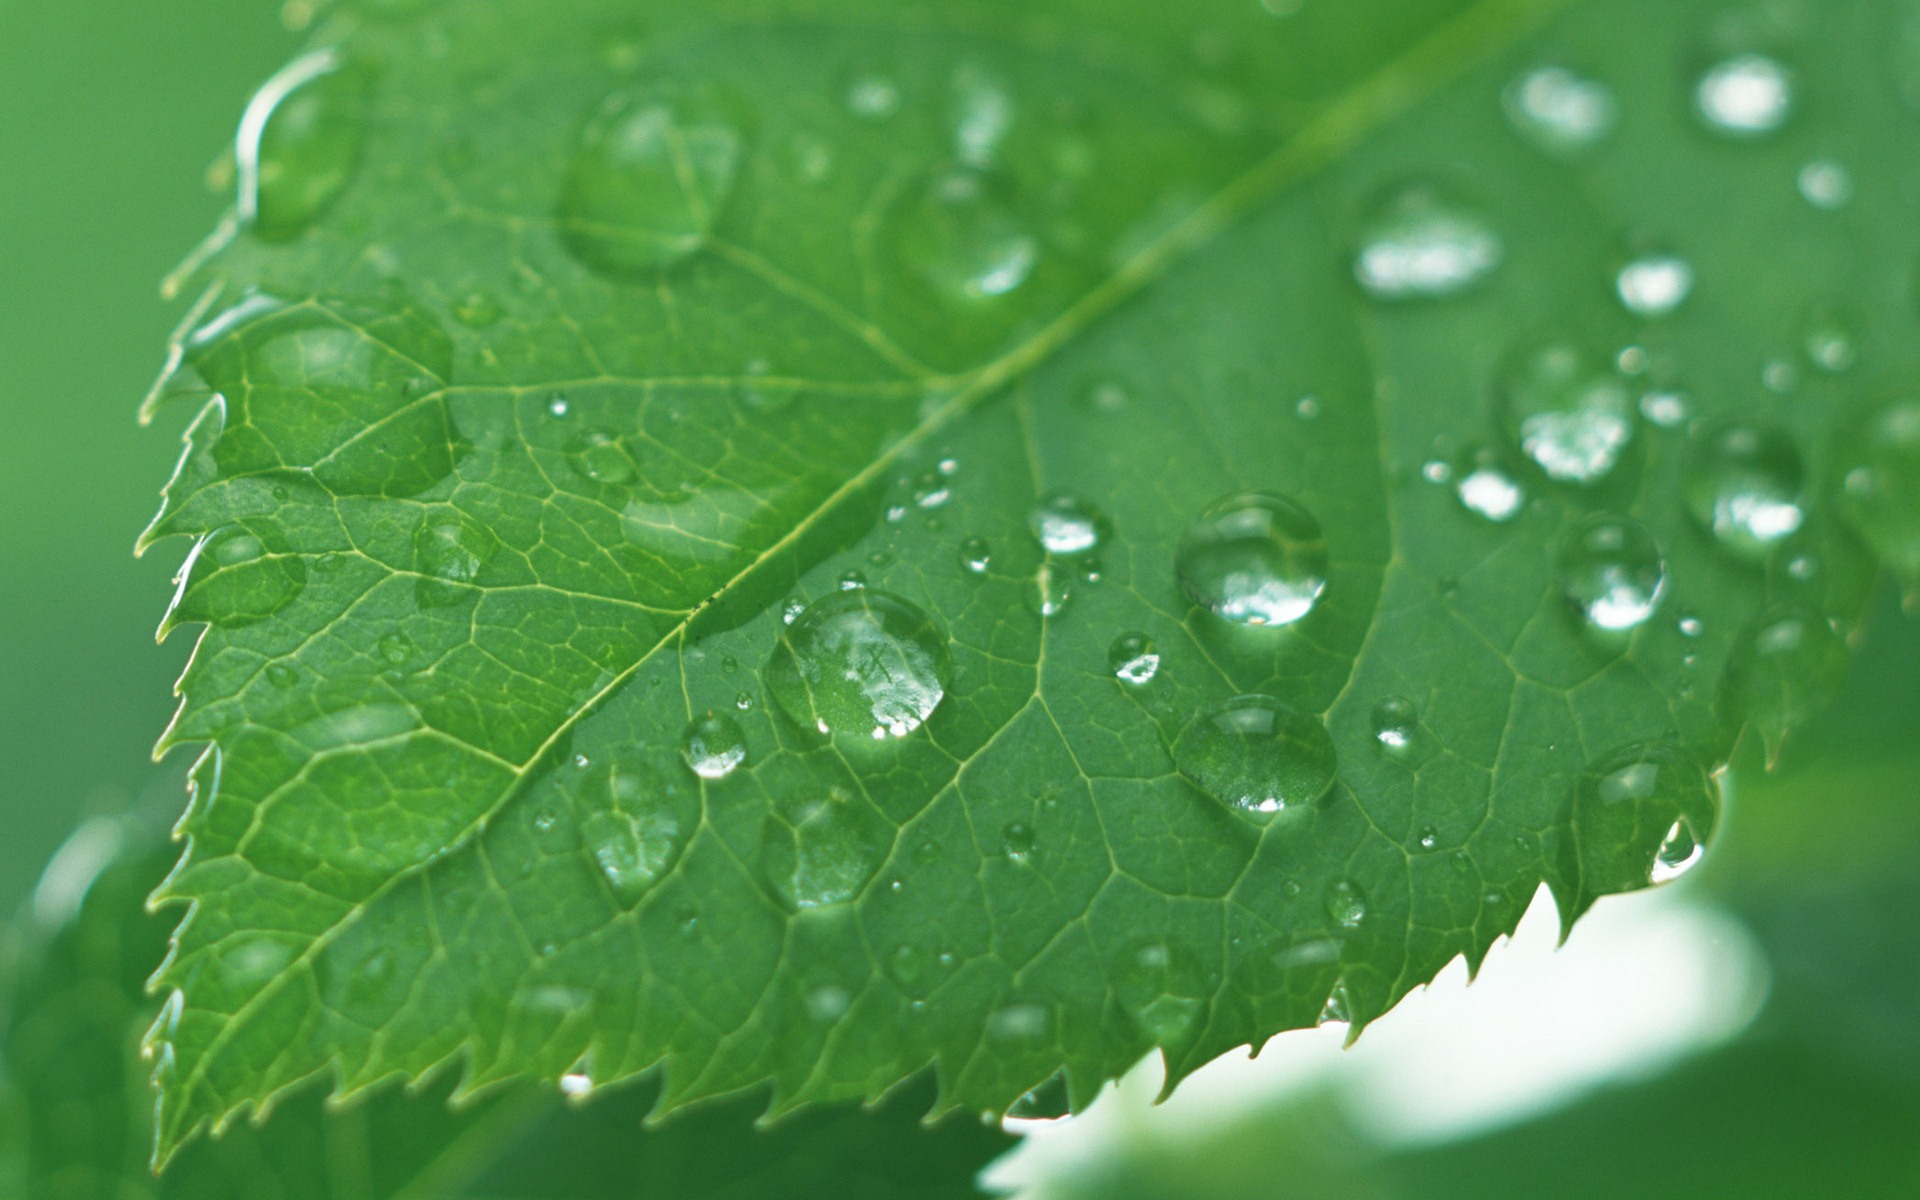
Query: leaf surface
{"type": "Point", "coordinates": [573, 349]}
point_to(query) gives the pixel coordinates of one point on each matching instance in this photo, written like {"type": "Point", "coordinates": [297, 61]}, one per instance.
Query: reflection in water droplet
{"type": "Point", "coordinates": [1745, 96]}
{"type": "Point", "coordinates": [1641, 816]}
{"type": "Point", "coordinates": [862, 662]}
{"type": "Point", "coordinates": [975, 556]}
{"type": "Point", "coordinates": [713, 745]}
{"type": "Point", "coordinates": [961, 234]}
{"type": "Point", "coordinates": [1067, 525]}
{"type": "Point", "coordinates": [1161, 989]}
{"type": "Point", "coordinates": [1050, 589]}
{"type": "Point", "coordinates": [1612, 572]}
{"type": "Point", "coordinates": [1559, 110]}
{"type": "Point", "coordinates": [1486, 488]}
{"type": "Point", "coordinates": [1879, 469]}
{"type": "Point", "coordinates": [1257, 756]}
{"type": "Point", "coordinates": [1655, 285]}
{"type": "Point", "coordinates": [822, 849]}
{"type": "Point", "coordinates": [1253, 559]}
{"type": "Point", "coordinates": [300, 144]}
{"type": "Point", "coordinates": [1134, 658]}
{"type": "Point", "coordinates": [1396, 722]}
{"type": "Point", "coordinates": [449, 552]}
{"type": "Point", "coordinates": [1017, 841]}
{"type": "Point", "coordinates": [1744, 485]}
{"type": "Point", "coordinates": [1420, 245]}
{"type": "Point", "coordinates": [649, 177]}
{"type": "Point", "coordinates": [231, 579]}
{"type": "Point", "coordinates": [1566, 410]}
{"type": "Point", "coordinates": [1826, 184]}
{"type": "Point", "coordinates": [1346, 904]}
{"type": "Point", "coordinates": [1786, 668]}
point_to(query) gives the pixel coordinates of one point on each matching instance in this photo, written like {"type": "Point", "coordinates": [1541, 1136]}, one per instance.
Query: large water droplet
{"type": "Point", "coordinates": [821, 849]}
{"type": "Point", "coordinates": [1567, 410]}
{"type": "Point", "coordinates": [1067, 525]}
{"type": "Point", "coordinates": [1486, 488]}
{"type": "Point", "coordinates": [1744, 484]}
{"type": "Point", "coordinates": [1786, 668]}
{"type": "Point", "coordinates": [1419, 244]}
{"type": "Point", "coordinates": [862, 662]}
{"type": "Point", "coordinates": [1612, 572]}
{"type": "Point", "coordinates": [1258, 757]}
{"type": "Point", "coordinates": [713, 745]}
{"type": "Point", "coordinates": [1346, 904]}
{"type": "Point", "coordinates": [1134, 659]}
{"type": "Point", "coordinates": [231, 579]}
{"type": "Point", "coordinates": [1879, 469]}
{"type": "Point", "coordinates": [300, 143]}
{"type": "Point", "coordinates": [1748, 95]}
{"type": "Point", "coordinates": [649, 179]}
{"type": "Point", "coordinates": [1641, 816]}
{"type": "Point", "coordinates": [1559, 110]}
{"type": "Point", "coordinates": [1161, 989]}
{"type": "Point", "coordinates": [449, 551]}
{"type": "Point", "coordinates": [975, 556]}
{"type": "Point", "coordinates": [1396, 723]}
{"type": "Point", "coordinates": [1655, 285]}
{"type": "Point", "coordinates": [635, 822]}
{"type": "Point", "coordinates": [1254, 559]}
{"type": "Point", "coordinates": [961, 234]}
{"type": "Point", "coordinates": [600, 457]}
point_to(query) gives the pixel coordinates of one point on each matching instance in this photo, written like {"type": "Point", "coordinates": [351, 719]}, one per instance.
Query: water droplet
{"type": "Point", "coordinates": [396, 647]}
{"type": "Point", "coordinates": [1346, 904]}
{"type": "Point", "coordinates": [1665, 409]}
{"type": "Point", "coordinates": [649, 178]}
{"type": "Point", "coordinates": [1020, 1024]}
{"type": "Point", "coordinates": [1253, 559]}
{"type": "Point", "coordinates": [1655, 285]}
{"type": "Point", "coordinates": [1641, 816]}
{"type": "Point", "coordinates": [231, 579]}
{"type": "Point", "coordinates": [1338, 1009]}
{"type": "Point", "coordinates": [1429, 837]}
{"type": "Point", "coordinates": [1396, 723]}
{"type": "Point", "coordinates": [1612, 572]}
{"type": "Point", "coordinates": [975, 556]}
{"type": "Point", "coordinates": [1786, 668]}
{"type": "Point", "coordinates": [960, 233]}
{"type": "Point", "coordinates": [1308, 407]}
{"type": "Point", "coordinates": [984, 114]}
{"type": "Point", "coordinates": [1161, 989]}
{"type": "Point", "coordinates": [863, 662]}
{"type": "Point", "coordinates": [1879, 469]}
{"type": "Point", "coordinates": [1067, 525]}
{"type": "Point", "coordinates": [282, 676]}
{"type": "Point", "coordinates": [635, 822]}
{"type": "Point", "coordinates": [1257, 756]}
{"type": "Point", "coordinates": [1566, 410]}
{"type": "Point", "coordinates": [1826, 184]}
{"type": "Point", "coordinates": [1559, 110]}
{"type": "Point", "coordinates": [600, 457]}
{"type": "Point", "coordinates": [449, 551]}
{"type": "Point", "coordinates": [1744, 485]}
{"type": "Point", "coordinates": [1487, 489]}
{"type": "Point", "coordinates": [1419, 244]}
{"type": "Point", "coordinates": [1134, 658]}
{"type": "Point", "coordinates": [1017, 841]}
{"type": "Point", "coordinates": [713, 745]}
{"type": "Point", "coordinates": [791, 610]}
{"type": "Point", "coordinates": [873, 97]}
{"type": "Point", "coordinates": [1829, 340]}
{"type": "Point", "coordinates": [1780, 376]}
{"type": "Point", "coordinates": [852, 581]}
{"type": "Point", "coordinates": [300, 143]}
{"type": "Point", "coordinates": [827, 1003]}
{"type": "Point", "coordinates": [1436, 471]}
{"type": "Point", "coordinates": [476, 310]}
{"type": "Point", "coordinates": [822, 849]}
{"type": "Point", "coordinates": [1749, 95]}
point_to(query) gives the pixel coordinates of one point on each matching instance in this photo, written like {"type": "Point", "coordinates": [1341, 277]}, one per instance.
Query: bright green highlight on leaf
{"type": "Point", "coordinates": [803, 548]}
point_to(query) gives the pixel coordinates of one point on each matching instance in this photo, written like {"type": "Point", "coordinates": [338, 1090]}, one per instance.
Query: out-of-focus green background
{"type": "Point", "coordinates": [110, 113]}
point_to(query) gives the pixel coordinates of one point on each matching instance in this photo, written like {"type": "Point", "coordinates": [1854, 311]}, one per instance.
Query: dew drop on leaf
{"type": "Point", "coordinates": [1825, 184]}
{"type": "Point", "coordinates": [1420, 244]}
{"type": "Point", "coordinates": [1744, 485]}
{"type": "Point", "coordinates": [449, 551]}
{"type": "Point", "coordinates": [1067, 525]}
{"type": "Point", "coordinates": [1559, 110]}
{"type": "Point", "coordinates": [960, 234]}
{"type": "Point", "coordinates": [231, 579]}
{"type": "Point", "coordinates": [1748, 95]}
{"type": "Point", "coordinates": [1257, 756]}
{"type": "Point", "coordinates": [1879, 471]}
{"type": "Point", "coordinates": [1785, 669]}
{"type": "Point", "coordinates": [822, 847]}
{"type": "Point", "coordinates": [599, 457]}
{"type": "Point", "coordinates": [1253, 558]}
{"type": "Point", "coordinates": [1133, 659]}
{"type": "Point", "coordinates": [635, 821]}
{"type": "Point", "coordinates": [1396, 723]}
{"type": "Point", "coordinates": [1017, 841]}
{"type": "Point", "coordinates": [975, 556]}
{"type": "Point", "coordinates": [1486, 488]}
{"type": "Point", "coordinates": [1641, 815]}
{"type": "Point", "coordinates": [861, 662]}
{"type": "Point", "coordinates": [1655, 285]}
{"type": "Point", "coordinates": [713, 745]}
{"type": "Point", "coordinates": [300, 144]}
{"type": "Point", "coordinates": [1161, 990]}
{"type": "Point", "coordinates": [1831, 340]}
{"type": "Point", "coordinates": [1565, 409]}
{"type": "Point", "coordinates": [1049, 591]}
{"type": "Point", "coordinates": [1346, 904]}
{"type": "Point", "coordinates": [649, 179]}
{"type": "Point", "coordinates": [1612, 572]}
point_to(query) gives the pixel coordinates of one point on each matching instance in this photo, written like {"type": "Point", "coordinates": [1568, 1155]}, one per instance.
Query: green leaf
{"type": "Point", "coordinates": [78, 1117]}
{"type": "Point", "coordinates": [624, 334]}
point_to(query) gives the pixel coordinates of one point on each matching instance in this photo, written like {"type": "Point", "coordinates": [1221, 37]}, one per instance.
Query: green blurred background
{"type": "Point", "coordinates": [110, 113]}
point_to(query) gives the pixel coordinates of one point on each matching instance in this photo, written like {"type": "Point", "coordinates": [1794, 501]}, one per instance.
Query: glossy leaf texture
{"type": "Point", "coordinates": [798, 544]}
{"type": "Point", "coordinates": [79, 1119]}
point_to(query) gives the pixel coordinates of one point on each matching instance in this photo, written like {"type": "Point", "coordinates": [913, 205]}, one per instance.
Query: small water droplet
{"type": "Point", "coordinates": [649, 177]}
{"type": "Point", "coordinates": [1612, 572]}
{"type": "Point", "coordinates": [1655, 285]}
{"type": "Point", "coordinates": [635, 823]}
{"type": "Point", "coordinates": [791, 610]}
{"type": "Point", "coordinates": [1486, 488]}
{"type": "Point", "coordinates": [449, 552]}
{"type": "Point", "coordinates": [1396, 723]}
{"type": "Point", "coordinates": [1134, 659]}
{"type": "Point", "coordinates": [1020, 1024]}
{"type": "Point", "coordinates": [852, 581]}
{"type": "Point", "coordinates": [231, 579]}
{"type": "Point", "coordinates": [1161, 989]}
{"type": "Point", "coordinates": [961, 233]}
{"type": "Point", "coordinates": [1826, 184]}
{"type": "Point", "coordinates": [1346, 904]}
{"type": "Point", "coordinates": [872, 97]}
{"type": "Point", "coordinates": [863, 662]}
{"type": "Point", "coordinates": [1568, 412]}
{"type": "Point", "coordinates": [282, 676]}
{"type": "Point", "coordinates": [476, 310]}
{"type": "Point", "coordinates": [1560, 110]}
{"type": "Point", "coordinates": [1744, 485]}
{"type": "Point", "coordinates": [1308, 407]}
{"type": "Point", "coordinates": [1829, 340]}
{"type": "Point", "coordinates": [1879, 468]}
{"type": "Point", "coordinates": [975, 556]}
{"type": "Point", "coordinates": [1642, 815]}
{"type": "Point", "coordinates": [1017, 841]}
{"type": "Point", "coordinates": [1436, 471]}
{"type": "Point", "coordinates": [300, 144]}
{"type": "Point", "coordinates": [1665, 409]}
{"type": "Point", "coordinates": [1049, 591]}
{"type": "Point", "coordinates": [1257, 756]}
{"type": "Point", "coordinates": [1338, 1009]}
{"type": "Point", "coordinates": [1748, 95]}
{"type": "Point", "coordinates": [1253, 558]}
{"type": "Point", "coordinates": [713, 745]}
{"type": "Point", "coordinates": [396, 647]}
{"type": "Point", "coordinates": [1428, 838]}
{"type": "Point", "coordinates": [1786, 668]}
{"type": "Point", "coordinates": [600, 457]}
{"type": "Point", "coordinates": [822, 848]}
{"type": "Point", "coordinates": [1419, 244]}
{"type": "Point", "coordinates": [1067, 525]}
